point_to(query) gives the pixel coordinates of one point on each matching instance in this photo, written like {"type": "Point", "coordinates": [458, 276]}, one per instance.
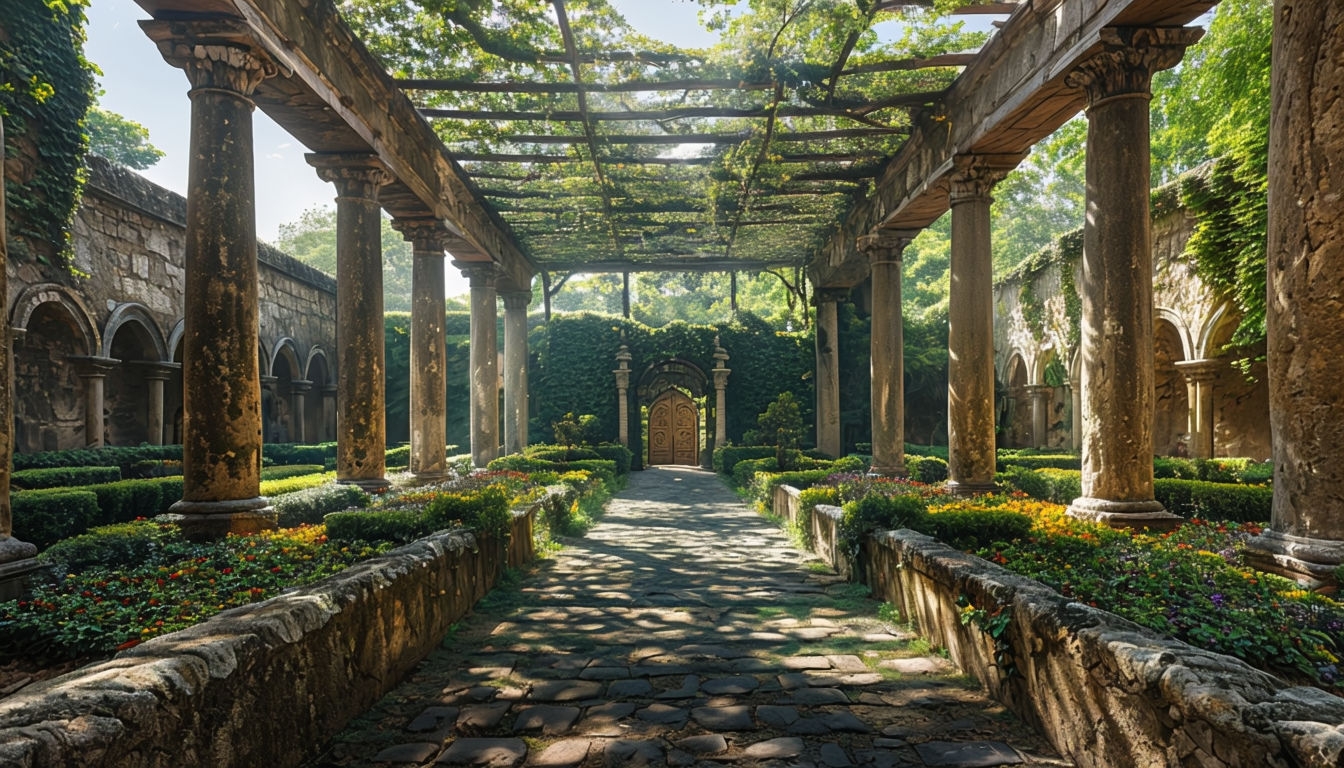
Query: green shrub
{"type": "Point", "coordinates": [727, 457]}
{"type": "Point", "coordinates": [879, 513]}
{"type": "Point", "coordinates": [45, 517]}
{"type": "Point", "coordinates": [938, 451]}
{"type": "Point", "coordinates": [809, 498]}
{"type": "Point", "coordinates": [398, 525]}
{"type": "Point", "coordinates": [107, 456]}
{"type": "Point", "coordinates": [1068, 484]}
{"type": "Point", "coordinates": [746, 469]}
{"type": "Point", "coordinates": [1041, 461]}
{"type": "Point", "coordinates": [1028, 481]}
{"type": "Point", "coordinates": [1215, 501]}
{"type": "Point", "coordinates": [121, 545]}
{"type": "Point", "coordinates": [170, 492]}
{"type": "Point", "coordinates": [925, 469]}
{"type": "Point", "coordinates": [154, 468]}
{"type": "Point", "coordinates": [398, 458]}
{"type": "Point", "coordinates": [298, 453]}
{"type": "Point", "coordinates": [63, 477]}
{"type": "Point", "coordinates": [286, 485]}
{"type": "Point", "coordinates": [1256, 473]}
{"type": "Point", "coordinates": [312, 504]}
{"type": "Point", "coordinates": [281, 471]}
{"type": "Point", "coordinates": [972, 529]}
{"type": "Point", "coordinates": [126, 500]}
{"type": "Point", "coordinates": [763, 484]}
{"type": "Point", "coordinates": [617, 453]}
{"type": "Point", "coordinates": [560, 453]}
{"type": "Point", "coordinates": [484, 511]}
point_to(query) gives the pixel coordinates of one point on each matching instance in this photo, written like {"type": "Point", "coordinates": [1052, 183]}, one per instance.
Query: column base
{"type": "Point", "coordinates": [427, 478]}
{"type": "Point", "coordinates": [211, 520]}
{"type": "Point", "coordinates": [968, 489]}
{"type": "Point", "coordinates": [18, 567]}
{"type": "Point", "coordinates": [1312, 563]}
{"type": "Point", "coordinates": [367, 484]}
{"type": "Point", "coordinates": [895, 470]}
{"type": "Point", "coordinates": [1124, 514]}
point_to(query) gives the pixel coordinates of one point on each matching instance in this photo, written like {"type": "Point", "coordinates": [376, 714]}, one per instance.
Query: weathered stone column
{"type": "Point", "coordinates": [515, 370]}
{"type": "Point", "coordinates": [429, 357]}
{"type": "Point", "coordinates": [298, 392]}
{"type": "Point", "coordinates": [1117, 279]}
{"type": "Point", "coordinates": [361, 428]}
{"type": "Point", "coordinates": [155, 377]}
{"type": "Point", "coordinates": [623, 393]}
{"type": "Point", "coordinates": [221, 392]}
{"type": "Point", "coordinates": [1199, 377]}
{"type": "Point", "coordinates": [887, 350]}
{"type": "Point", "coordinates": [1305, 539]}
{"type": "Point", "coordinates": [720, 373]}
{"type": "Point", "coordinates": [328, 413]}
{"type": "Point", "coordinates": [970, 321]}
{"type": "Point", "coordinates": [94, 370]}
{"type": "Point", "coordinates": [828, 370]}
{"type": "Point", "coordinates": [1040, 403]}
{"type": "Point", "coordinates": [17, 558]}
{"type": "Point", "coordinates": [484, 353]}
{"type": "Point", "coordinates": [1075, 415]}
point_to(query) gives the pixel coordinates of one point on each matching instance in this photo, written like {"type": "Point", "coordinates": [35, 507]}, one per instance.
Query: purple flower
{"type": "Point", "coordinates": [1217, 599]}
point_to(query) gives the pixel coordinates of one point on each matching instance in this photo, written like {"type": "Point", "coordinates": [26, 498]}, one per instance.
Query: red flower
{"type": "Point", "coordinates": [129, 644]}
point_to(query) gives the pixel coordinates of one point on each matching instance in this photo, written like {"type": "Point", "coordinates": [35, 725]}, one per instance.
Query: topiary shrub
{"type": "Point", "coordinates": [878, 513]}
{"type": "Point", "coordinates": [1215, 501]}
{"type": "Point", "coordinates": [110, 546]}
{"type": "Point", "coordinates": [312, 504]}
{"type": "Point", "coordinates": [926, 469]}
{"type": "Point", "coordinates": [727, 457]}
{"type": "Point", "coordinates": [977, 528]}
{"type": "Point", "coordinates": [63, 477]}
{"type": "Point", "coordinates": [1041, 461]}
{"type": "Point", "coordinates": [617, 453]}
{"type": "Point", "coordinates": [282, 472]}
{"type": "Point", "coordinates": [45, 517]}
{"type": "Point", "coordinates": [1030, 482]}
{"type": "Point", "coordinates": [397, 525]}
{"type": "Point", "coordinates": [1067, 484]}
{"type": "Point", "coordinates": [744, 471]}
{"type": "Point", "coordinates": [484, 511]}
{"type": "Point", "coordinates": [398, 458]}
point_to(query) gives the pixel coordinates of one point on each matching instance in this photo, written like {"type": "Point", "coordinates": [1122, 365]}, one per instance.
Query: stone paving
{"type": "Point", "coordinates": [684, 630]}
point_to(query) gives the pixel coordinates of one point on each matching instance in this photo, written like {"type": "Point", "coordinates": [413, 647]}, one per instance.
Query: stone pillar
{"type": "Point", "coordinates": [484, 351]}
{"type": "Point", "coordinates": [17, 558]}
{"type": "Point", "coordinates": [720, 373]}
{"type": "Point", "coordinates": [1199, 377]}
{"type": "Point", "coordinates": [887, 350]}
{"type": "Point", "coordinates": [1117, 278]}
{"type": "Point", "coordinates": [515, 370]}
{"type": "Point", "coordinates": [1075, 415]}
{"type": "Point", "coordinates": [970, 321]}
{"type": "Point", "coordinates": [328, 413]}
{"type": "Point", "coordinates": [155, 377]}
{"type": "Point", "coordinates": [828, 370]}
{"type": "Point", "coordinates": [429, 357]}
{"type": "Point", "coordinates": [221, 391]}
{"type": "Point", "coordinates": [623, 393]}
{"type": "Point", "coordinates": [298, 391]}
{"type": "Point", "coordinates": [94, 370]}
{"type": "Point", "coordinates": [1040, 418]}
{"type": "Point", "coordinates": [361, 429]}
{"type": "Point", "coordinates": [268, 388]}
{"type": "Point", "coordinates": [1305, 539]}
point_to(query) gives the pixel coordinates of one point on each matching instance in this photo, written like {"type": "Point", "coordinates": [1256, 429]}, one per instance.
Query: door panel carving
{"type": "Point", "coordinates": [674, 430]}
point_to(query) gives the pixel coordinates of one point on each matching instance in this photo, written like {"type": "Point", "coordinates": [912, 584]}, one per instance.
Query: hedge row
{"type": "Point", "coordinates": [312, 504]}
{"type": "Point", "coordinates": [62, 477]}
{"type": "Point", "coordinates": [1187, 498]}
{"type": "Point", "coordinates": [484, 511]}
{"type": "Point", "coordinates": [47, 516]}
{"type": "Point", "coordinates": [603, 469]}
{"type": "Point", "coordinates": [567, 454]}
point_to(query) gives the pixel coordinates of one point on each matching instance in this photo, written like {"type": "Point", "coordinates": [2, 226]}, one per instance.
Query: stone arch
{"type": "Point", "coordinates": [35, 296]}
{"type": "Point", "coordinates": [175, 340]}
{"type": "Point", "coordinates": [1216, 332]}
{"type": "Point", "coordinates": [319, 415]}
{"type": "Point", "coordinates": [1171, 412]}
{"type": "Point", "coordinates": [282, 426]}
{"type": "Point", "coordinates": [134, 312]}
{"type": "Point", "coordinates": [172, 393]}
{"type": "Point", "coordinates": [656, 387]}
{"type": "Point", "coordinates": [1181, 328]}
{"type": "Point", "coordinates": [132, 338]}
{"type": "Point", "coordinates": [1015, 409]}
{"type": "Point", "coordinates": [55, 335]}
{"type": "Point", "coordinates": [1056, 399]}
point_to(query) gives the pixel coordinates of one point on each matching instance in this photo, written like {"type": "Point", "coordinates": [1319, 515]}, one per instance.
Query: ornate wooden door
{"type": "Point", "coordinates": [674, 430]}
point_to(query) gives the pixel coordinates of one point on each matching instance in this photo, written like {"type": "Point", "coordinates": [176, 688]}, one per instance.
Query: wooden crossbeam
{"type": "Point", "coordinates": [544, 159]}
{"type": "Point", "coordinates": [678, 113]}
{"type": "Point", "coordinates": [631, 86]}
{"type": "Point", "coordinates": [707, 138]}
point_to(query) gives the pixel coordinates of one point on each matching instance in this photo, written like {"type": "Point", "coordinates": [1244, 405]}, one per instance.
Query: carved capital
{"type": "Point", "coordinates": [216, 54]}
{"type": "Point", "coordinates": [829, 296]}
{"type": "Point", "coordinates": [425, 234]}
{"type": "Point", "coordinates": [1128, 59]}
{"type": "Point", "coordinates": [356, 176]}
{"type": "Point", "coordinates": [1197, 371]}
{"type": "Point", "coordinates": [976, 175]}
{"type": "Point", "coordinates": [479, 274]}
{"type": "Point", "coordinates": [885, 245]}
{"type": "Point", "coordinates": [516, 301]}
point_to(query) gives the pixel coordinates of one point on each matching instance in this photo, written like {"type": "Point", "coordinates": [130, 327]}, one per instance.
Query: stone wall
{"type": "Point", "coordinates": [124, 303]}
{"type": "Point", "coordinates": [266, 684]}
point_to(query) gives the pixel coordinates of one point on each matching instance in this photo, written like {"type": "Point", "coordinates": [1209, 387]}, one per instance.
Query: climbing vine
{"type": "Point", "coordinates": [46, 87]}
{"type": "Point", "coordinates": [1033, 311]}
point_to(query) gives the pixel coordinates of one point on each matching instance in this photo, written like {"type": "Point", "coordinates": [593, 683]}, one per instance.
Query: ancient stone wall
{"type": "Point", "coordinates": [117, 320]}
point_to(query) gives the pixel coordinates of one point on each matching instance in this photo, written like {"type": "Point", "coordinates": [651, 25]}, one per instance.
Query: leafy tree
{"type": "Point", "coordinates": [781, 425]}
{"type": "Point", "coordinates": [119, 139]}
{"type": "Point", "coordinates": [312, 240]}
{"type": "Point", "coordinates": [571, 430]}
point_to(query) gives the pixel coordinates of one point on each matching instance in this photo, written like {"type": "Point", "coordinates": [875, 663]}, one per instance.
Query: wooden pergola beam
{"type": "Point", "coordinates": [681, 113]}
{"type": "Point", "coordinates": [707, 138]}
{"type": "Point", "coordinates": [672, 264]}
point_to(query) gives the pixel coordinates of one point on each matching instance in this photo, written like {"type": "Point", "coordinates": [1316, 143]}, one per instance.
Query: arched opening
{"type": "Point", "coordinates": [1240, 397]}
{"type": "Point", "coordinates": [282, 423]}
{"type": "Point", "coordinates": [316, 427]}
{"type": "Point", "coordinates": [1015, 413]}
{"type": "Point", "coordinates": [126, 400]}
{"type": "Point", "coordinates": [172, 396]}
{"type": "Point", "coordinates": [1056, 401]}
{"type": "Point", "coordinates": [1171, 417]}
{"type": "Point", "coordinates": [672, 398]}
{"type": "Point", "coordinates": [49, 395]}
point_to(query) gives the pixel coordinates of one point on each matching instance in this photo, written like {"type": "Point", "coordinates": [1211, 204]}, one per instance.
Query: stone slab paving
{"type": "Point", "coordinates": [684, 630]}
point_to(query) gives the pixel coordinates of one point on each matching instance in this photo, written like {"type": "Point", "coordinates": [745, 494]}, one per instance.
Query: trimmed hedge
{"type": "Point", "coordinates": [925, 469]}
{"type": "Point", "coordinates": [63, 477]}
{"type": "Point", "coordinates": [1043, 461]}
{"type": "Point", "coordinates": [281, 472]}
{"type": "Point", "coordinates": [398, 458]}
{"type": "Point", "coordinates": [112, 546]}
{"type": "Point", "coordinates": [311, 504]}
{"type": "Point", "coordinates": [44, 518]}
{"type": "Point", "coordinates": [126, 456]}
{"type": "Point", "coordinates": [617, 453]}
{"type": "Point", "coordinates": [286, 485]}
{"type": "Point", "coordinates": [727, 457]}
{"type": "Point", "coordinates": [398, 525]}
{"type": "Point", "coordinates": [601, 468]}
{"type": "Point", "coordinates": [1217, 501]}
{"type": "Point", "coordinates": [978, 528]}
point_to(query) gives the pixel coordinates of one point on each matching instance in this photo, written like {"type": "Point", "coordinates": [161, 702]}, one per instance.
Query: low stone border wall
{"type": "Point", "coordinates": [263, 684]}
{"type": "Point", "coordinates": [1106, 692]}
{"type": "Point", "coordinates": [822, 526]}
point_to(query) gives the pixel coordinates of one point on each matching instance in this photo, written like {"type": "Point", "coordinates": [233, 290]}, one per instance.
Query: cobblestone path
{"type": "Point", "coordinates": [684, 630]}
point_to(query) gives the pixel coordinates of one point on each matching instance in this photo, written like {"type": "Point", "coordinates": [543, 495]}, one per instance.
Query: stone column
{"type": "Point", "coordinates": [484, 350]}
{"type": "Point", "coordinates": [268, 387]}
{"type": "Point", "coordinates": [298, 391]}
{"type": "Point", "coordinates": [221, 392]}
{"type": "Point", "coordinates": [1305, 539]}
{"type": "Point", "coordinates": [155, 377]}
{"type": "Point", "coordinates": [1199, 377]}
{"type": "Point", "coordinates": [94, 370]}
{"type": "Point", "coordinates": [361, 429]}
{"type": "Point", "coordinates": [1040, 418]}
{"type": "Point", "coordinates": [1117, 279]}
{"type": "Point", "coordinates": [828, 370]}
{"type": "Point", "coordinates": [1075, 415]}
{"type": "Point", "coordinates": [720, 373]}
{"type": "Point", "coordinates": [970, 321]}
{"type": "Point", "coordinates": [515, 370]}
{"type": "Point", "coordinates": [429, 357]}
{"type": "Point", "coordinates": [887, 350]}
{"type": "Point", "coordinates": [623, 393]}
{"type": "Point", "coordinates": [328, 413]}
{"type": "Point", "coordinates": [17, 558]}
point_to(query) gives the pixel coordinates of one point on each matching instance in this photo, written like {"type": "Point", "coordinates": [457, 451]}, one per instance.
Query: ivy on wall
{"type": "Point", "coordinates": [46, 87]}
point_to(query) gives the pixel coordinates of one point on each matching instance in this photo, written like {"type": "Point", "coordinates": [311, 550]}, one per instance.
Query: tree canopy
{"type": "Point", "coordinates": [312, 240]}
{"type": "Point", "coordinates": [119, 139]}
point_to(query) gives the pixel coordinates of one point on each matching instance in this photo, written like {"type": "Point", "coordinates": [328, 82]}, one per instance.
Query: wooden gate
{"type": "Point", "coordinates": [674, 430]}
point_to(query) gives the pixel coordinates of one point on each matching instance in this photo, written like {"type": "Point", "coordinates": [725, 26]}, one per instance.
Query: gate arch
{"type": "Point", "coordinates": [669, 389]}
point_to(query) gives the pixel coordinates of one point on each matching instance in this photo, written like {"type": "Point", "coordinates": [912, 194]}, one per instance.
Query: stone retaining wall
{"type": "Point", "coordinates": [1104, 690]}
{"type": "Point", "coordinates": [264, 684]}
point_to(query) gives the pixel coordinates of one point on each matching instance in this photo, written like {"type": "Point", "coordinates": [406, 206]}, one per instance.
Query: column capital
{"type": "Point", "coordinates": [268, 382]}
{"type": "Point", "coordinates": [1128, 58]}
{"type": "Point", "coordinates": [93, 367]}
{"type": "Point", "coordinates": [426, 234]}
{"type": "Point", "coordinates": [720, 354]}
{"type": "Point", "coordinates": [300, 386]}
{"type": "Point", "coordinates": [216, 54]}
{"type": "Point", "coordinates": [976, 175]}
{"type": "Point", "coordinates": [356, 175]}
{"type": "Point", "coordinates": [721, 377]}
{"type": "Point", "coordinates": [829, 296]}
{"type": "Point", "coordinates": [516, 300]}
{"type": "Point", "coordinates": [479, 274]}
{"type": "Point", "coordinates": [155, 370]}
{"type": "Point", "coordinates": [885, 245]}
{"type": "Point", "coordinates": [1199, 370]}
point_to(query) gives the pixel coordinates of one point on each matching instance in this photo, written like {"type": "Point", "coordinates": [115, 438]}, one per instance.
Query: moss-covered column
{"type": "Point", "coordinates": [887, 362]}
{"type": "Point", "coordinates": [515, 370]}
{"type": "Point", "coordinates": [221, 390]}
{"type": "Point", "coordinates": [429, 356]}
{"type": "Point", "coordinates": [15, 555]}
{"type": "Point", "coordinates": [1305, 539]}
{"type": "Point", "coordinates": [970, 325]}
{"type": "Point", "coordinates": [828, 369]}
{"type": "Point", "coordinates": [1117, 280]}
{"type": "Point", "coordinates": [484, 360]}
{"type": "Point", "coordinates": [361, 429]}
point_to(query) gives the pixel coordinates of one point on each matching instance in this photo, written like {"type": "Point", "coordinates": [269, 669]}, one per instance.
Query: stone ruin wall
{"type": "Point", "coordinates": [1191, 322]}
{"type": "Point", "coordinates": [128, 241]}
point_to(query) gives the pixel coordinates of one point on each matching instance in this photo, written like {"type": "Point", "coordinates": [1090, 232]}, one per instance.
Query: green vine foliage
{"type": "Point", "coordinates": [46, 87]}
{"type": "Point", "coordinates": [1033, 311]}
